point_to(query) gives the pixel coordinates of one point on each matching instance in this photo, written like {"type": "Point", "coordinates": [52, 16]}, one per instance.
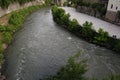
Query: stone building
{"type": "Point", "coordinates": [58, 2]}
{"type": "Point", "coordinates": [97, 1]}
{"type": "Point", "coordinates": [112, 9]}
{"type": "Point", "coordinates": [92, 1]}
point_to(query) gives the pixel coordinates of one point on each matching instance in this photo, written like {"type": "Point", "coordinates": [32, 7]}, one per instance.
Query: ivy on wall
{"type": "Point", "coordinates": [6, 3]}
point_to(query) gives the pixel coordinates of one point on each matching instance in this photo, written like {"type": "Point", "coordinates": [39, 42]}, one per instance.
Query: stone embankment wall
{"type": "Point", "coordinates": [13, 7]}
{"type": "Point", "coordinates": [111, 15]}
{"type": "Point", "coordinates": [16, 6]}
{"type": "Point", "coordinates": [89, 11]}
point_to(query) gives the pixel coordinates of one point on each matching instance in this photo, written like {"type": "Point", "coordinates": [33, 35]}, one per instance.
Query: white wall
{"type": "Point", "coordinates": [116, 3]}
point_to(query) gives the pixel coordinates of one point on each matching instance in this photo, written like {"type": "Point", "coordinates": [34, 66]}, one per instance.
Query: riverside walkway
{"type": "Point", "coordinates": [97, 23]}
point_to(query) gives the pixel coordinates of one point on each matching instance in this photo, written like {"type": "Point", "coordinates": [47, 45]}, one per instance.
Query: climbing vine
{"type": "Point", "coordinates": [6, 3]}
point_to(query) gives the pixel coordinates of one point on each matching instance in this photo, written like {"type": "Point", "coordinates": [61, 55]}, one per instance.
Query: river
{"type": "Point", "coordinates": [41, 47]}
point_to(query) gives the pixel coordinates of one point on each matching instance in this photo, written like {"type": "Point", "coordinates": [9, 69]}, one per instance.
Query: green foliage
{"type": "Point", "coordinates": [48, 1]}
{"type": "Point", "coordinates": [2, 28]}
{"type": "Point", "coordinates": [103, 11]}
{"type": "Point", "coordinates": [6, 3]}
{"type": "Point", "coordinates": [1, 47]}
{"type": "Point", "coordinates": [117, 46]}
{"type": "Point", "coordinates": [58, 15]}
{"type": "Point", "coordinates": [87, 30]}
{"type": "Point", "coordinates": [74, 70]}
{"type": "Point", "coordinates": [74, 25]}
{"type": "Point", "coordinates": [101, 37]}
{"type": "Point", "coordinates": [16, 18]}
{"type": "Point", "coordinates": [65, 19]}
{"type": "Point", "coordinates": [15, 23]}
{"type": "Point", "coordinates": [1, 50]}
{"type": "Point", "coordinates": [7, 37]}
{"type": "Point", "coordinates": [84, 3]}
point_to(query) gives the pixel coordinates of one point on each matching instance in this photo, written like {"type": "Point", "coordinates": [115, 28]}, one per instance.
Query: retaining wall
{"type": "Point", "coordinates": [16, 6]}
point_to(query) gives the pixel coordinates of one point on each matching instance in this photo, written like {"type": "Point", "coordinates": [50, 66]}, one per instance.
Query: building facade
{"type": "Point", "coordinates": [58, 2]}
{"type": "Point", "coordinates": [112, 9]}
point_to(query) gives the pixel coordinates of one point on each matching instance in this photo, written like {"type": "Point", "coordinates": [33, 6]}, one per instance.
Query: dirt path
{"type": "Point", "coordinates": [4, 19]}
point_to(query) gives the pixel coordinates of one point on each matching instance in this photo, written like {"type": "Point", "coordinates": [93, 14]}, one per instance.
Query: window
{"type": "Point", "coordinates": [111, 6]}
{"type": "Point", "coordinates": [116, 8]}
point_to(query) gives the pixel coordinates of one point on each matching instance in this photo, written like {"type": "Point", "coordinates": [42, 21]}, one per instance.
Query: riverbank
{"type": "Point", "coordinates": [11, 23]}
{"type": "Point", "coordinates": [97, 23]}
{"type": "Point", "coordinates": [86, 31]}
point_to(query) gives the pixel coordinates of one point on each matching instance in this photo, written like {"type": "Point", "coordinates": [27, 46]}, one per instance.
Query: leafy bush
{"type": "Point", "coordinates": [7, 37]}
{"type": "Point", "coordinates": [117, 46]}
{"type": "Point", "coordinates": [74, 70]}
{"type": "Point", "coordinates": [2, 28]}
{"type": "Point", "coordinates": [74, 25]}
{"type": "Point", "coordinates": [1, 51]}
{"type": "Point", "coordinates": [6, 3]}
{"type": "Point", "coordinates": [87, 30]}
{"type": "Point", "coordinates": [58, 14]}
{"type": "Point", "coordinates": [15, 23]}
{"type": "Point", "coordinates": [65, 19]}
{"type": "Point", "coordinates": [1, 47]}
{"type": "Point", "coordinates": [101, 37]}
{"type": "Point", "coordinates": [16, 18]}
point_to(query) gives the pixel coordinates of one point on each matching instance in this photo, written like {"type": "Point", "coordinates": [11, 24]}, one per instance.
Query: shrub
{"type": "Point", "coordinates": [58, 14]}
{"type": "Point", "coordinates": [1, 51]}
{"type": "Point", "coordinates": [15, 22]}
{"type": "Point", "coordinates": [87, 30]}
{"type": "Point", "coordinates": [7, 37]}
{"type": "Point", "coordinates": [74, 25]}
{"type": "Point", "coordinates": [101, 37]}
{"type": "Point", "coordinates": [16, 18]}
{"type": "Point", "coordinates": [6, 3]}
{"type": "Point", "coordinates": [65, 19]}
{"type": "Point", "coordinates": [117, 46]}
{"type": "Point", "coordinates": [2, 28]}
{"type": "Point", "coordinates": [74, 70]}
{"type": "Point", "coordinates": [1, 47]}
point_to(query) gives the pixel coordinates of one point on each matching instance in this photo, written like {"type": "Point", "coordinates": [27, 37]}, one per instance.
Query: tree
{"type": "Point", "coordinates": [87, 30]}
{"type": "Point", "coordinates": [102, 36]}
{"type": "Point", "coordinates": [74, 25]}
{"type": "Point", "coordinates": [65, 19]}
{"type": "Point", "coordinates": [74, 70]}
{"type": "Point", "coordinates": [94, 6]}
